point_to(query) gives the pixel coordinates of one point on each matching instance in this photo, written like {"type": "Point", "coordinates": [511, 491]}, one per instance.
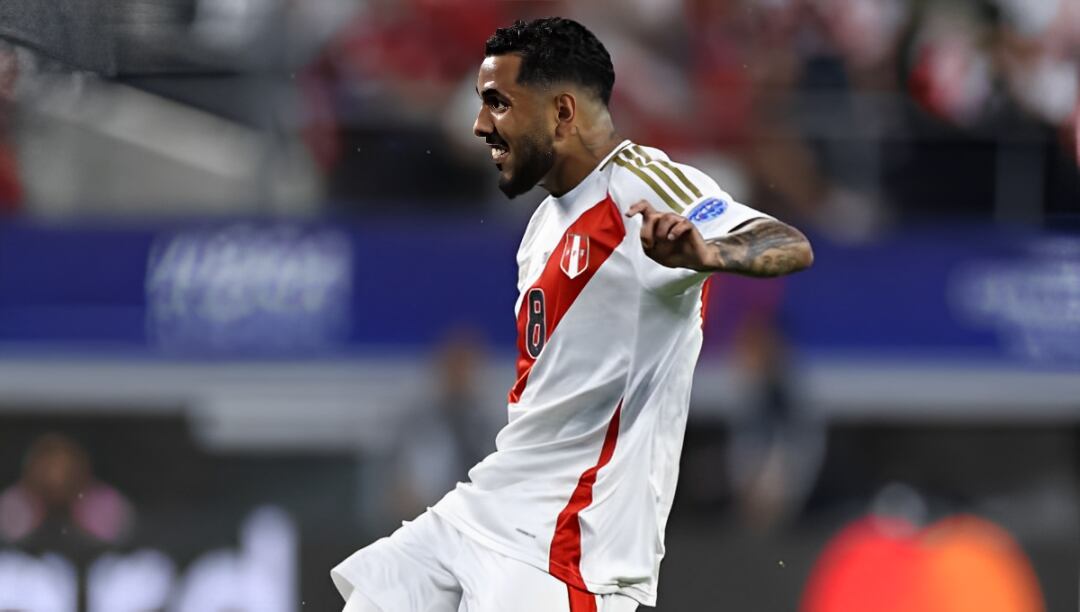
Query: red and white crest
{"type": "Point", "coordinates": [575, 255]}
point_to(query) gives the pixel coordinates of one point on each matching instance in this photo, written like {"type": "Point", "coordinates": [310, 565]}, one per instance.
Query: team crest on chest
{"type": "Point", "coordinates": [575, 255]}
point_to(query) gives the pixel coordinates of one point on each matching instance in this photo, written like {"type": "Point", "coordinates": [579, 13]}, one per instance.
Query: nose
{"type": "Point", "coordinates": [482, 126]}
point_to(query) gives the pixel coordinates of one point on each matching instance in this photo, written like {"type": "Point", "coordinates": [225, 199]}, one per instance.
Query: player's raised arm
{"type": "Point", "coordinates": [762, 247]}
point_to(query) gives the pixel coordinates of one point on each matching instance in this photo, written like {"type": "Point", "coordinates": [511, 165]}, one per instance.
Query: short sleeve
{"type": "Point", "coordinates": [715, 212]}
{"type": "Point", "coordinates": [647, 174]}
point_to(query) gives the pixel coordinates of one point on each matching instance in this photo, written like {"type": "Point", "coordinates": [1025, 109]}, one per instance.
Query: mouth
{"type": "Point", "coordinates": [499, 153]}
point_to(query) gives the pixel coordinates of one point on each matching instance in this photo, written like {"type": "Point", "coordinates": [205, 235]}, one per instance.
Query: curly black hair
{"type": "Point", "coordinates": [554, 49]}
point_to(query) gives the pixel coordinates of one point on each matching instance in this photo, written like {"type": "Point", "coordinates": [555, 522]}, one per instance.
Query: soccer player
{"type": "Point", "coordinates": [568, 514]}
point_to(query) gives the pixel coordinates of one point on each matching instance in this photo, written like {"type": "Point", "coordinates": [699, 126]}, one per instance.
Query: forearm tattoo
{"type": "Point", "coordinates": [765, 248]}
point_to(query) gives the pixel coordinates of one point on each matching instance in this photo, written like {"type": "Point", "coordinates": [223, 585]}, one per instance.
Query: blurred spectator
{"type": "Point", "coordinates": [385, 79]}
{"type": "Point", "coordinates": [994, 97]}
{"type": "Point", "coordinates": [775, 447]}
{"type": "Point", "coordinates": [58, 489]}
{"type": "Point", "coordinates": [10, 189]}
{"type": "Point", "coordinates": [442, 439]}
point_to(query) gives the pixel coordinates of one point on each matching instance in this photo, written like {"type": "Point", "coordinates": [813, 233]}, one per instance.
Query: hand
{"type": "Point", "coordinates": [671, 240]}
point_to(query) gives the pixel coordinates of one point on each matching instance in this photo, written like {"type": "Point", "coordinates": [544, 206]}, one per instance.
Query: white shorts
{"type": "Point", "coordinates": [429, 566]}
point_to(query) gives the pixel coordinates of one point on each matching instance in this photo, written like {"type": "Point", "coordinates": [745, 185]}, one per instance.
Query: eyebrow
{"type": "Point", "coordinates": [490, 91]}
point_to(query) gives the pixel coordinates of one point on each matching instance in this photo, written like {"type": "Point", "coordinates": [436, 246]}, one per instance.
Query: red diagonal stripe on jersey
{"type": "Point", "coordinates": [604, 226]}
{"type": "Point", "coordinates": [581, 601]}
{"type": "Point", "coordinates": [564, 558]}
{"type": "Point", "coordinates": [706, 287]}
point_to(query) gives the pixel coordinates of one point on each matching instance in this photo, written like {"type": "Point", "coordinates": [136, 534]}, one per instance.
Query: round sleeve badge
{"type": "Point", "coordinates": [706, 210]}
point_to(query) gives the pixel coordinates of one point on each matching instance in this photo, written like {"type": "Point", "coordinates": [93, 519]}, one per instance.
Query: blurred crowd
{"type": "Point", "coordinates": [58, 489]}
{"type": "Point", "coordinates": [843, 113]}
{"type": "Point", "coordinates": [847, 115]}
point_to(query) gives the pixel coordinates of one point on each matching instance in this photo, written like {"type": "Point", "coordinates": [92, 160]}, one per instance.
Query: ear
{"type": "Point", "coordinates": [565, 114]}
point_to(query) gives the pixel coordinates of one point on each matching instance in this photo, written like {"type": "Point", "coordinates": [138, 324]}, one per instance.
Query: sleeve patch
{"type": "Point", "coordinates": [708, 209]}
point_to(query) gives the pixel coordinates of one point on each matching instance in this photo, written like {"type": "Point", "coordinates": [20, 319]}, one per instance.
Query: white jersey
{"type": "Point", "coordinates": [584, 473]}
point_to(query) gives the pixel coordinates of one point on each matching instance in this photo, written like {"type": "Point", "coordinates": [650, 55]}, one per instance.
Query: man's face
{"type": "Point", "coordinates": [511, 121]}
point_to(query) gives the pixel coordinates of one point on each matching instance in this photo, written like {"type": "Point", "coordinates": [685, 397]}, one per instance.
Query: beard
{"type": "Point", "coordinates": [532, 158]}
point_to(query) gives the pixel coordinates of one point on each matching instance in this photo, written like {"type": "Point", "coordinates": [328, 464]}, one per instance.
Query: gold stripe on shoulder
{"type": "Point", "coordinates": [650, 182]}
{"type": "Point", "coordinates": [682, 177]}
{"type": "Point", "coordinates": [629, 155]}
{"type": "Point", "coordinates": [663, 176]}
{"type": "Point", "coordinates": [641, 153]}
{"type": "Point", "coordinates": [634, 153]}
{"type": "Point", "coordinates": [690, 186]}
{"type": "Point", "coordinates": [616, 153]}
{"type": "Point", "coordinates": [654, 167]}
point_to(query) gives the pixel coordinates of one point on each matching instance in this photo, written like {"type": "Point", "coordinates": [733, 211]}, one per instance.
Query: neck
{"type": "Point", "coordinates": [581, 160]}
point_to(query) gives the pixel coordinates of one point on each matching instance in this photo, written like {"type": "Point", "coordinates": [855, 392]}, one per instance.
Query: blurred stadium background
{"type": "Point", "coordinates": [256, 285]}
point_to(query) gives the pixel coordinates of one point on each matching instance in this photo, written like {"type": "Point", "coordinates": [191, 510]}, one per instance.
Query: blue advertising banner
{"type": "Point", "coordinates": [270, 289]}
{"type": "Point", "coordinates": [945, 292]}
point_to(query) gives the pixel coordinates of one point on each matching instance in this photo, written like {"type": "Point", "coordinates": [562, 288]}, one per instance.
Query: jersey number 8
{"type": "Point", "coordinates": [536, 328]}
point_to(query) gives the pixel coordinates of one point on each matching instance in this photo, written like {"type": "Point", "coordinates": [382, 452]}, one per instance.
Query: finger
{"type": "Point", "coordinates": [648, 231]}
{"type": "Point", "coordinates": [681, 228]}
{"type": "Point", "coordinates": [665, 224]}
{"type": "Point", "coordinates": [641, 207]}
